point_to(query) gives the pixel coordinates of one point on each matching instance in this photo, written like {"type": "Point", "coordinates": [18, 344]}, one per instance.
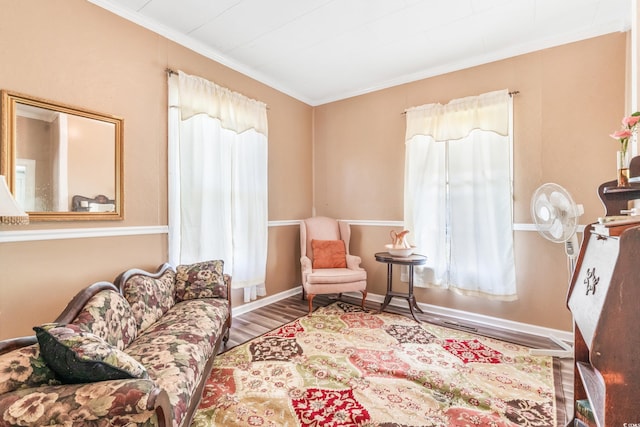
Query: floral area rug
{"type": "Point", "coordinates": [344, 366]}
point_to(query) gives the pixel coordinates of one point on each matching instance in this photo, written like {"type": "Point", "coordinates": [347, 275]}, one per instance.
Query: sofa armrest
{"type": "Point", "coordinates": [122, 402]}
{"type": "Point", "coordinates": [15, 343]}
{"type": "Point", "coordinates": [159, 403]}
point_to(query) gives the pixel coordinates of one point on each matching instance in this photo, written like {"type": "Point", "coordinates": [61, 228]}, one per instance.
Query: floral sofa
{"type": "Point", "coordinates": [136, 352]}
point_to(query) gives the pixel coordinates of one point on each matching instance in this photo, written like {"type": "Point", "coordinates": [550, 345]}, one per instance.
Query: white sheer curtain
{"type": "Point", "coordinates": [218, 180]}
{"type": "Point", "coordinates": [458, 194]}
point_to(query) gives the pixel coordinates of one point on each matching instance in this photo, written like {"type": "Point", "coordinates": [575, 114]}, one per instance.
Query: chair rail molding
{"type": "Point", "coordinates": [79, 233]}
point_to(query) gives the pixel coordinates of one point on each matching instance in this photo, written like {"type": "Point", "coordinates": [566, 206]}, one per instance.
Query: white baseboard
{"type": "Point", "coordinates": [253, 305]}
{"type": "Point", "coordinates": [462, 316]}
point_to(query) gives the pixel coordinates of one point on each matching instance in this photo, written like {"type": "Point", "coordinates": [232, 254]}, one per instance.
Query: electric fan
{"type": "Point", "coordinates": [556, 218]}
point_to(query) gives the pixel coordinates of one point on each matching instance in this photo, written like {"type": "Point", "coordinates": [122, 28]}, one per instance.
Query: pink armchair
{"type": "Point", "coordinates": [327, 265]}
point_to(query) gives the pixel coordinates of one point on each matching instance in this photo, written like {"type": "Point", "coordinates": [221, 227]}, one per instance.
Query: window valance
{"type": "Point", "coordinates": [235, 111]}
{"type": "Point", "coordinates": [459, 117]}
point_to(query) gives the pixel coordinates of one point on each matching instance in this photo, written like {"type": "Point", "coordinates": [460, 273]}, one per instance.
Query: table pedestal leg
{"type": "Point", "coordinates": [388, 296]}
{"type": "Point", "coordinates": [411, 299]}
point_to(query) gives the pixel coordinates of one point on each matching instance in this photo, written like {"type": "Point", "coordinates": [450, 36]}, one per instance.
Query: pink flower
{"type": "Point", "coordinates": [621, 134]}
{"type": "Point", "coordinates": [629, 128]}
{"type": "Point", "coordinates": [630, 121]}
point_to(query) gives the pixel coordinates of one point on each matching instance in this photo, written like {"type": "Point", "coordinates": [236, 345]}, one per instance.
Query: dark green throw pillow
{"type": "Point", "coordinates": [78, 356]}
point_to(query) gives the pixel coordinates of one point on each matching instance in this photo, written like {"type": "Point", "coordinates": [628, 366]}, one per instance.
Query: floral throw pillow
{"type": "Point", "coordinates": [78, 356]}
{"type": "Point", "coordinates": [108, 315]}
{"type": "Point", "coordinates": [200, 280]}
{"type": "Point", "coordinates": [149, 297]}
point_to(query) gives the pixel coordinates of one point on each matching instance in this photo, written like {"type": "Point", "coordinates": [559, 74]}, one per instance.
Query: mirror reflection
{"type": "Point", "coordinates": [62, 163]}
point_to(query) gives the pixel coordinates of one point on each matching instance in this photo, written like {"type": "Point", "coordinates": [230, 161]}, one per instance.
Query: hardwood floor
{"type": "Point", "coordinates": [260, 321]}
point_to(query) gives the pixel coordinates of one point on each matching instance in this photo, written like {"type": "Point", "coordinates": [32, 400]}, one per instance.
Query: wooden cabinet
{"type": "Point", "coordinates": [604, 298]}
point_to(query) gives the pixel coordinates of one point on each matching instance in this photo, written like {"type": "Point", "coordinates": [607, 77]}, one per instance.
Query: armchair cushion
{"type": "Point", "coordinates": [78, 356]}
{"type": "Point", "coordinates": [336, 276]}
{"type": "Point", "coordinates": [200, 280]}
{"type": "Point", "coordinates": [329, 254]}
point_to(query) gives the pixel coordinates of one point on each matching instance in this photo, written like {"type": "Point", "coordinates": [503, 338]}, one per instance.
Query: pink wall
{"type": "Point", "coordinates": [76, 53]}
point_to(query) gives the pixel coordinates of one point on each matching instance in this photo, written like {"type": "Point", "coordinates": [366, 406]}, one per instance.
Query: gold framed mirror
{"type": "Point", "coordinates": [61, 163]}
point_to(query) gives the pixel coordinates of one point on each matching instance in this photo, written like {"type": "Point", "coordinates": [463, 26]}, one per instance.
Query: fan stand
{"type": "Point", "coordinates": [571, 249]}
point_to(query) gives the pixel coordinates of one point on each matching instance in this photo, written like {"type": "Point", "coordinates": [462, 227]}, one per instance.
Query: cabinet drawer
{"type": "Point", "coordinates": [592, 283]}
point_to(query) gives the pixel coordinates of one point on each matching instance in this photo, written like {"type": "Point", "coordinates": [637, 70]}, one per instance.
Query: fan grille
{"type": "Point", "coordinates": [554, 212]}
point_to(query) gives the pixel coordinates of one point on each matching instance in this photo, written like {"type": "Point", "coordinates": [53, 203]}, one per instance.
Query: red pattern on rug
{"type": "Point", "coordinates": [287, 331]}
{"type": "Point", "coordinates": [472, 351]}
{"type": "Point", "coordinates": [379, 363]}
{"type": "Point", "coordinates": [220, 383]}
{"type": "Point", "coordinates": [360, 320]}
{"type": "Point", "coordinates": [329, 408]}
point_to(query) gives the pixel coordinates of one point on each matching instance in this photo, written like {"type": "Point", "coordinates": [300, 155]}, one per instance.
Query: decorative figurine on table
{"type": "Point", "coordinates": [399, 245]}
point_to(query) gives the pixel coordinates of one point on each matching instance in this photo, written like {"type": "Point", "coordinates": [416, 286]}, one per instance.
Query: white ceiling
{"type": "Point", "coordinates": [320, 51]}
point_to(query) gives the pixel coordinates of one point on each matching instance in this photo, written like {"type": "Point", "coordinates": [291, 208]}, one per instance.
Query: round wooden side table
{"type": "Point", "coordinates": [410, 261]}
